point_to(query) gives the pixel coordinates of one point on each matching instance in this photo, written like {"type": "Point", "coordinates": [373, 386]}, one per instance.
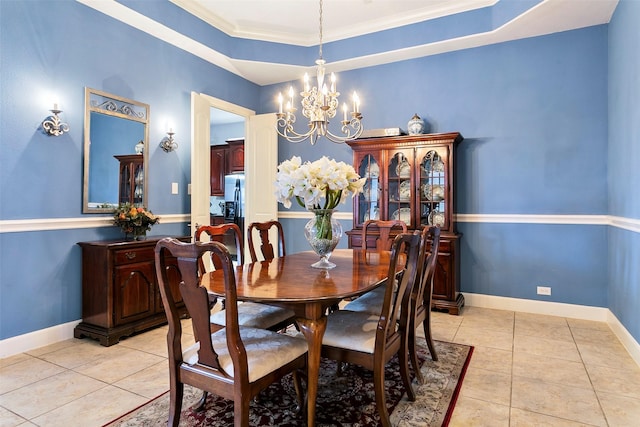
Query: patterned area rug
{"type": "Point", "coordinates": [346, 400]}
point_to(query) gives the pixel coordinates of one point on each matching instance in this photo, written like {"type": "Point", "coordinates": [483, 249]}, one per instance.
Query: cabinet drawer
{"type": "Point", "coordinates": [128, 256]}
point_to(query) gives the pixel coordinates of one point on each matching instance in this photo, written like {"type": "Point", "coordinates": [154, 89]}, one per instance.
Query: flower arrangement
{"type": "Point", "coordinates": [134, 220]}
{"type": "Point", "coordinates": [311, 182]}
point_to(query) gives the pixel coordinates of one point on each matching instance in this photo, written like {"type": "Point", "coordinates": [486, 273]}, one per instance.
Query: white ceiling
{"type": "Point", "coordinates": [295, 22]}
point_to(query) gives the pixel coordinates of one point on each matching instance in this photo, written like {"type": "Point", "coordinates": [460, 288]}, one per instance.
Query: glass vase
{"type": "Point", "coordinates": [323, 233]}
{"type": "Point", "coordinates": [139, 233]}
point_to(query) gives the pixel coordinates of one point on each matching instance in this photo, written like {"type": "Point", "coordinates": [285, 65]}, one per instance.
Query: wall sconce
{"type": "Point", "coordinates": [168, 144]}
{"type": "Point", "coordinates": [52, 125]}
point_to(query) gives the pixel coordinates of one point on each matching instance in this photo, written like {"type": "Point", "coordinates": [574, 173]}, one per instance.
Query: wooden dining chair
{"type": "Point", "coordinates": [251, 314]}
{"type": "Point", "coordinates": [384, 238]}
{"type": "Point", "coordinates": [266, 247]}
{"type": "Point", "coordinates": [235, 362]}
{"type": "Point", "coordinates": [371, 302]}
{"type": "Point", "coordinates": [420, 306]}
{"type": "Point", "coordinates": [372, 340]}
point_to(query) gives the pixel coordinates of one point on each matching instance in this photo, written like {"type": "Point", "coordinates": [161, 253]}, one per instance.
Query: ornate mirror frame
{"type": "Point", "coordinates": [119, 115]}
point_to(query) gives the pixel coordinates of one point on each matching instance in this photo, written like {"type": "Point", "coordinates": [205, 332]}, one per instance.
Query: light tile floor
{"type": "Point", "coordinates": [526, 370]}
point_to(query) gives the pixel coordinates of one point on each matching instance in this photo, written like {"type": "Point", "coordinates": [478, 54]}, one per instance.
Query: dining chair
{"type": "Point", "coordinates": [384, 239]}
{"type": "Point", "coordinates": [420, 306]}
{"type": "Point", "coordinates": [266, 247]}
{"type": "Point", "coordinates": [250, 314]}
{"type": "Point", "coordinates": [371, 302]}
{"type": "Point", "coordinates": [235, 362]}
{"type": "Point", "coordinates": [371, 340]}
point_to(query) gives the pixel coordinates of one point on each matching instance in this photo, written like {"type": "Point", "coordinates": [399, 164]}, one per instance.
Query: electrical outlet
{"type": "Point", "coordinates": [174, 188]}
{"type": "Point", "coordinates": [544, 290]}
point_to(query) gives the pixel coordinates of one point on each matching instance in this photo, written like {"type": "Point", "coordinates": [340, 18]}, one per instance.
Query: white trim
{"type": "Point", "coordinates": [24, 225]}
{"type": "Point", "coordinates": [36, 339]}
{"type": "Point", "coordinates": [572, 311]}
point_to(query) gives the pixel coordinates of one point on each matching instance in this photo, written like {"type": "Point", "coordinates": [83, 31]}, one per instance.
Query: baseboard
{"type": "Point", "coordinates": [24, 343]}
{"type": "Point", "coordinates": [32, 340]}
{"type": "Point", "coordinates": [573, 311]}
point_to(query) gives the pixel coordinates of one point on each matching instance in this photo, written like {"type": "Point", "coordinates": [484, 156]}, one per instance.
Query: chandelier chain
{"type": "Point", "coordinates": [320, 29]}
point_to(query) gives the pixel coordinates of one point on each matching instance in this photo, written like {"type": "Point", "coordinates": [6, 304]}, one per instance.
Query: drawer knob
{"type": "Point", "coordinates": [130, 255]}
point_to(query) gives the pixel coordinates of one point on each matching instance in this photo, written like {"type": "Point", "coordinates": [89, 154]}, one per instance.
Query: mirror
{"type": "Point", "coordinates": [116, 152]}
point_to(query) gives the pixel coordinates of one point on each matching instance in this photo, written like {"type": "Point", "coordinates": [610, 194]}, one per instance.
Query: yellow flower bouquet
{"type": "Point", "coordinates": [134, 220]}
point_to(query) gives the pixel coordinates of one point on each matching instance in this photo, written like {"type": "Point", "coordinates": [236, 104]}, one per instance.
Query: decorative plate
{"type": "Point", "coordinates": [403, 170]}
{"type": "Point", "coordinates": [372, 171]}
{"type": "Point", "coordinates": [403, 214]}
{"type": "Point", "coordinates": [436, 218]}
{"type": "Point", "coordinates": [404, 191]}
{"type": "Point", "coordinates": [375, 216]}
{"type": "Point", "coordinates": [435, 193]}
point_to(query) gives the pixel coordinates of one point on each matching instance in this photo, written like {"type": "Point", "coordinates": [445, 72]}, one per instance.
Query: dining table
{"type": "Point", "coordinates": [290, 281]}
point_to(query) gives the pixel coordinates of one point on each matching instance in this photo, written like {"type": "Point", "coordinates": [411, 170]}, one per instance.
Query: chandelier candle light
{"type": "Point", "coordinates": [319, 187]}
{"type": "Point", "coordinates": [319, 104]}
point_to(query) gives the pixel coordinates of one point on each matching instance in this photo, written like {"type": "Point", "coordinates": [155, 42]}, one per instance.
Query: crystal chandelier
{"type": "Point", "coordinates": [319, 104]}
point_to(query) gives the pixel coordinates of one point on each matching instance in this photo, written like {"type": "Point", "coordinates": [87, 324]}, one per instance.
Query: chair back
{"type": "Point", "coordinates": [196, 300]}
{"type": "Point", "coordinates": [218, 233]}
{"type": "Point", "coordinates": [423, 290]}
{"type": "Point", "coordinates": [384, 239]}
{"type": "Point", "coordinates": [266, 247]}
{"type": "Point", "coordinates": [407, 252]}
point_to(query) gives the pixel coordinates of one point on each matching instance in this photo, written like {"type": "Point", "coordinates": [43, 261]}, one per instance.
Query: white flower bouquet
{"type": "Point", "coordinates": [321, 184]}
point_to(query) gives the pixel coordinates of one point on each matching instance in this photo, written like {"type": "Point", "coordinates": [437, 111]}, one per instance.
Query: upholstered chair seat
{"type": "Point", "coordinates": [255, 315]}
{"type": "Point", "coordinates": [281, 348]}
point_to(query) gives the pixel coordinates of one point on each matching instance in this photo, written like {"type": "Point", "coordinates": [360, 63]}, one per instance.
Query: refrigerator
{"type": "Point", "coordinates": [234, 199]}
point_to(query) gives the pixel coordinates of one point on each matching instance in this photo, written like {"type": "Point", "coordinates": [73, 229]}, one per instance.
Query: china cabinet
{"type": "Point", "coordinates": [131, 179]}
{"type": "Point", "coordinates": [411, 178]}
{"type": "Point", "coordinates": [120, 294]}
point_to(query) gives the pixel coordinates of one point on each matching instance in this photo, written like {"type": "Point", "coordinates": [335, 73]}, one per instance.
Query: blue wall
{"type": "Point", "coordinates": [624, 163]}
{"type": "Point", "coordinates": [533, 112]}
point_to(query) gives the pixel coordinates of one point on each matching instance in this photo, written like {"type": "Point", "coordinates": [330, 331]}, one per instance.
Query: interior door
{"type": "Point", "coordinates": [261, 166]}
{"type": "Point", "coordinates": [200, 157]}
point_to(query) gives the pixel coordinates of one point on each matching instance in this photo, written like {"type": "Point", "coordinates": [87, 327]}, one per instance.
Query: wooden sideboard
{"type": "Point", "coordinates": [120, 294]}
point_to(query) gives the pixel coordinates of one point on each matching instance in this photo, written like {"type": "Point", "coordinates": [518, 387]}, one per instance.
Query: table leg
{"type": "Point", "coordinates": [313, 331]}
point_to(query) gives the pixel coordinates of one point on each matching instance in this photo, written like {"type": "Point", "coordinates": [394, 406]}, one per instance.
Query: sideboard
{"type": "Point", "coordinates": [120, 294]}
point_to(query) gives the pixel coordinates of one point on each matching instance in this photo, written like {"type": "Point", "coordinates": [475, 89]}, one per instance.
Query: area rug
{"type": "Point", "coordinates": [345, 400]}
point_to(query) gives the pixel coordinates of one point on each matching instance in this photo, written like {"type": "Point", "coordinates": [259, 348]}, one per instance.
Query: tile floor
{"type": "Point", "coordinates": [526, 370]}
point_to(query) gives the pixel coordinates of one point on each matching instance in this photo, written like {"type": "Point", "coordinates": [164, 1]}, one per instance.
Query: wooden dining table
{"type": "Point", "coordinates": [291, 282]}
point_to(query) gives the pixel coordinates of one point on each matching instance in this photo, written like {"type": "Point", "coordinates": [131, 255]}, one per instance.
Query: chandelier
{"type": "Point", "coordinates": [319, 104]}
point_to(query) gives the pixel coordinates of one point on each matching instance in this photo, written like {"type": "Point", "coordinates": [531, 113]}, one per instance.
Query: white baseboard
{"type": "Point", "coordinates": [23, 343]}
{"type": "Point", "coordinates": [573, 311]}
{"type": "Point", "coordinates": [48, 336]}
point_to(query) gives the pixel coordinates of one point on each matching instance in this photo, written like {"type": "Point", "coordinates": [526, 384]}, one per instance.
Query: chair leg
{"type": "Point", "coordinates": [241, 412]}
{"type": "Point", "coordinates": [199, 407]}
{"type": "Point", "coordinates": [297, 384]}
{"type": "Point", "coordinates": [381, 400]}
{"type": "Point", "coordinates": [427, 336]}
{"type": "Point", "coordinates": [404, 373]}
{"type": "Point", "coordinates": [175, 404]}
{"type": "Point", "coordinates": [413, 356]}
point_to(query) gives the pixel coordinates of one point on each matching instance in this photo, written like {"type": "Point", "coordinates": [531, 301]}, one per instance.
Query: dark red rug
{"type": "Point", "coordinates": [346, 400]}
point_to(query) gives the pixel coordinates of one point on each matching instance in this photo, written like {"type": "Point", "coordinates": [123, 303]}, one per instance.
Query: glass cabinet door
{"type": "Point", "coordinates": [368, 202]}
{"type": "Point", "coordinates": [434, 209]}
{"type": "Point", "coordinates": [399, 183]}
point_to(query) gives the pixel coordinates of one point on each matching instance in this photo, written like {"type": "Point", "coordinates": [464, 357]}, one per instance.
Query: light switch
{"type": "Point", "coordinates": [189, 188]}
{"type": "Point", "coordinates": [174, 188]}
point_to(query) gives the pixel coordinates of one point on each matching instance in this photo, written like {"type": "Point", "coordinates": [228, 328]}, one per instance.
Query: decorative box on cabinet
{"type": "Point", "coordinates": [235, 159]}
{"type": "Point", "coordinates": [120, 294]}
{"type": "Point", "coordinates": [218, 168]}
{"type": "Point", "coordinates": [411, 178]}
{"type": "Point", "coordinates": [131, 179]}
